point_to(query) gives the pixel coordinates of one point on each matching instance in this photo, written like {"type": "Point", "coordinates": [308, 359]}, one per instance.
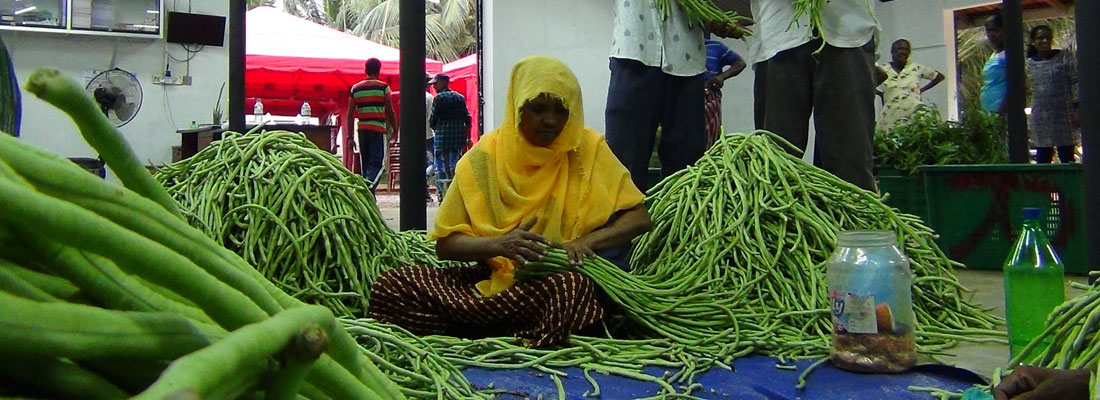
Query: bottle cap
{"type": "Point", "coordinates": [1032, 213]}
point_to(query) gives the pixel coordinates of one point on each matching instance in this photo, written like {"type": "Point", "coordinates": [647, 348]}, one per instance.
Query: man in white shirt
{"type": "Point", "coordinates": [657, 67]}
{"type": "Point", "coordinates": [429, 137]}
{"type": "Point", "coordinates": [836, 85]}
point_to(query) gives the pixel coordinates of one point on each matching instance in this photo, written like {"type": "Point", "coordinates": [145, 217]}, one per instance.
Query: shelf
{"type": "Point", "coordinates": [104, 18]}
{"type": "Point", "coordinates": [81, 32]}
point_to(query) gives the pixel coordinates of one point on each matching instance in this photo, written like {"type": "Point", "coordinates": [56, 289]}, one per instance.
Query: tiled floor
{"type": "Point", "coordinates": [988, 289]}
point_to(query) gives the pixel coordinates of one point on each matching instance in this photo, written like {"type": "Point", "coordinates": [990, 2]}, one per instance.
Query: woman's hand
{"type": "Point", "coordinates": [521, 245]}
{"type": "Point", "coordinates": [578, 250]}
{"type": "Point", "coordinates": [1033, 383]}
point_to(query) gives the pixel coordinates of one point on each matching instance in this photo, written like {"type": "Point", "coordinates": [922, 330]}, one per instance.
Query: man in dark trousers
{"type": "Point", "coordinates": [370, 105]}
{"type": "Point", "coordinates": [657, 66]}
{"type": "Point", "coordinates": [450, 120]}
{"type": "Point", "coordinates": [829, 74]}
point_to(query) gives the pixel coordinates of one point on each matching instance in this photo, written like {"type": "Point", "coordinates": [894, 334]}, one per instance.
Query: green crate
{"type": "Point", "coordinates": [906, 191]}
{"type": "Point", "coordinates": [653, 178]}
{"type": "Point", "coordinates": [976, 210]}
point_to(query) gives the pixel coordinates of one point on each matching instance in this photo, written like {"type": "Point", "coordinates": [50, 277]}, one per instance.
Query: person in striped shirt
{"type": "Point", "coordinates": [370, 105]}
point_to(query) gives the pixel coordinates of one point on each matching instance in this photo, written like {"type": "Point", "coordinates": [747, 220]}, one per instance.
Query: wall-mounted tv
{"type": "Point", "coordinates": [186, 28]}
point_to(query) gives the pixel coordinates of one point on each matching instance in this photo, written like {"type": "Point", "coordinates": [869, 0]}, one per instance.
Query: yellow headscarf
{"type": "Point", "coordinates": [573, 186]}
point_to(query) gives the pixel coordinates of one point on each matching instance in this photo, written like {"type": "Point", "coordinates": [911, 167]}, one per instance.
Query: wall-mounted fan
{"type": "Point", "coordinates": [118, 94]}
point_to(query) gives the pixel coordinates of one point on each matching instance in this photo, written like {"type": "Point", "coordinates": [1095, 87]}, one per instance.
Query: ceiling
{"type": "Point", "coordinates": [1033, 9]}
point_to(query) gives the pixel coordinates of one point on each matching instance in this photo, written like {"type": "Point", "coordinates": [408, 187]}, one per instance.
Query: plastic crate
{"type": "Point", "coordinates": [906, 190]}
{"type": "Point", "coordinates": [653, 178]}
{"type": "Point", "coordinates": [976, 210]}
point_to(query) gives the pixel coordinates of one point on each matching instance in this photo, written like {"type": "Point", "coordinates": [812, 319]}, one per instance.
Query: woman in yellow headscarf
{"type": "Point", "coordinates": [541, 179]}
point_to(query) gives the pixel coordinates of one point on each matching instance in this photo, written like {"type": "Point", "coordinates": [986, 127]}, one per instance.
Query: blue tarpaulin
{"type": "Point", "coordinates": [752, 378]}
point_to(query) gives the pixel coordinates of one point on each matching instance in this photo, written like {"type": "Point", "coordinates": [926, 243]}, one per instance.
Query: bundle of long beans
{"type": "Point", "coordinates": [420, 250]}
{"type": "Point", "coordinates": [293, 211]}
{"type": "Point", "coordinates": [704, 12]}
{"type": "Point", "coordinates": [748, 230]}
{"type": "Point", "coordinates": [106, 293]}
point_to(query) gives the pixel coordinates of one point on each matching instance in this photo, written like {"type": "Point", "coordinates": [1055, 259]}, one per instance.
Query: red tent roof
{"type": "Point", "coordinates": [463, 67]}
{"type": "Point", "coordinates": [290, 57]}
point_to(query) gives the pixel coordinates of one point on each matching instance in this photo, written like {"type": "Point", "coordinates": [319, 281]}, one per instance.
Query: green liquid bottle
{"type": "Point", "coordinates": [1034, 284]}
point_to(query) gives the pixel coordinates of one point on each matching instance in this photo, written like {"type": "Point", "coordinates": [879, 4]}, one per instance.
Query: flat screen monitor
{"type": "Point", "coordinates": [185, 28]}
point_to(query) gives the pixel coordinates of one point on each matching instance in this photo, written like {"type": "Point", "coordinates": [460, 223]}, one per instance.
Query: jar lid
{"type": "Point", "coordinates": [866, 238]}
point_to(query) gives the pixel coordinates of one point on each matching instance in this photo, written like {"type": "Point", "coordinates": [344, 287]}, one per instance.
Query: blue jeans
{"type": "Point", "coordinates": [372, 149]}
{"type": "Point", "coordinates": [445, 162]}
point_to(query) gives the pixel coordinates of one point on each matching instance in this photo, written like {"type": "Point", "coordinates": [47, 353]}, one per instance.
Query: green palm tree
{"type": "Point", "coordinates": [449, 24]}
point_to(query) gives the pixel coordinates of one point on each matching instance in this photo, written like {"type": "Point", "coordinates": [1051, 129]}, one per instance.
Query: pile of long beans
{"type": "Point", "coordinates": [293, 211]}
{"type": "Point", "coordinates": [740, 242]}
{"type": "Point", "coordinates": [421, 371]}
{"type": "Point", "coordinates": [106, 293]}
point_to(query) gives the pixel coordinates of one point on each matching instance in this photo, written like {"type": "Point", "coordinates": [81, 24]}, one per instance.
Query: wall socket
{"type": "Point", "coordinates": [174, 80]}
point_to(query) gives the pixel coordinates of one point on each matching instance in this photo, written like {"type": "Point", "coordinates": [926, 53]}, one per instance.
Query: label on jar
{"type": "Point", "coordinates": [854, 314]}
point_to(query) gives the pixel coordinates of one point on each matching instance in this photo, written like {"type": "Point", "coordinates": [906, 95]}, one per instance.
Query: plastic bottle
{"type": "Point", "coordinates": [1034, 283]}
{"type": "Point", "coordinates": [306, 111]}
{"type": "Point", "coordinates": [870, 288]}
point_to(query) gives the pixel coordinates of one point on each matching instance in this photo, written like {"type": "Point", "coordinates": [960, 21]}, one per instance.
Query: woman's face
{"type": "Point", "coordinates": [1043, 40]}
{"type": "Point", "coordinates": [995, 35]}
{"type": "Point", "coordinates": [901, 52]}
{"type": "Point", "coordinates": [542, 119]}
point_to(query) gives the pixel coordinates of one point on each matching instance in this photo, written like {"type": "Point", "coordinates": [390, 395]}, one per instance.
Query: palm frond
{"type": "Point", "coordinates": [448, 32]}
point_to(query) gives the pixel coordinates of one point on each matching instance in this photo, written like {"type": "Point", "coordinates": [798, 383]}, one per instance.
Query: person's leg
{"type": "Point", "coordinates": [374, 148]}
{"type": "Point", "coordinates": [713, 115]}
{"type": "Point", "coordinates": [440, 173]}
{"type": "Point", "coordinates": [1044, 155]}
{"type": "Point", "coordinates": [449, 161]}
{"type": "Point", "coordinates": [788, 95]}
{"type": "Point", "coordinates": [1067, 154]}
{"type": "Point", "coordinates": [633, 112]}
{"type": "Point", "coordinates": [683, 131]}
{"type": "Point", "coordinates": [844, 113]}
{"type": "Point", "coordinates": [364, 155]}
{"type": "Point", "coordinates": [759, 85]}
{"type": "Point", "coordinates": [429, 170]}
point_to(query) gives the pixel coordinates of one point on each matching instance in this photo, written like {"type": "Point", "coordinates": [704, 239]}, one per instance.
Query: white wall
{"type": "Point", "coordinates": [576, 31]}
{"type": "Point", "coordinates": [152, 132]}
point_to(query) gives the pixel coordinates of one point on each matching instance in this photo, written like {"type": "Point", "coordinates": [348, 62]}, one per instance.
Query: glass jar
{"type": "Point", "coordinates": [870, 287]}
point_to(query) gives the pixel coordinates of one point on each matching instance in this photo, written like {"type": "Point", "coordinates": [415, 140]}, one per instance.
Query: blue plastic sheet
{"type": "Point", "coordinates": [752, 378]}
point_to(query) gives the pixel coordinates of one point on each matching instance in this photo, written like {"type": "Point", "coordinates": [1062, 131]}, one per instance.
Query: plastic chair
{"type": "Point", "coordinates": [395, 164]}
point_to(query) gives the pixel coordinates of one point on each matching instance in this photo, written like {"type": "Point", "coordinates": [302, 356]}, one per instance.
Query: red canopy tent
{"type": "Point", "coordinates": [290, 60]}
{"type": "Point", "coordinates": [464, 79]}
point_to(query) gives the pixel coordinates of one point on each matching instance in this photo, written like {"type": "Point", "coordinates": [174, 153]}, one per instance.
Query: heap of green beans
{"type": "Point", "coordinates": [703, 13]}
{"type": "Point", "coordinates": [292, 210]}
{"type": "Point", "coordinates": [420, 370]}
{"type": "Point", "coordinates": [106, 293]}
{"type": "Point", "coordinates": [748, 230]}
